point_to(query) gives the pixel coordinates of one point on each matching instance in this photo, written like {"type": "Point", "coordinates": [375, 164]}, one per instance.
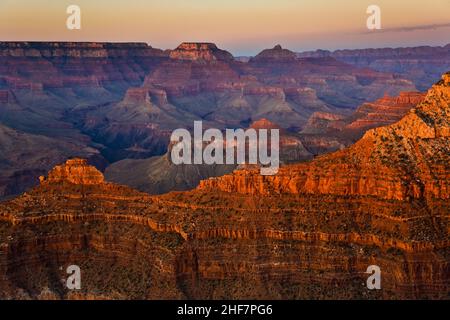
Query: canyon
{"type": "Point", "coordinates": [113, 102]}
{"type": "Point", "coordinates": [309, 232]}
{"type": "Point", "coordinates": [158, 174]}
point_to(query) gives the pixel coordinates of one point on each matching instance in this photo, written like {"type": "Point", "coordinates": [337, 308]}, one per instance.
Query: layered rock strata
{"type": "Point", "coordinates": [309, 232]}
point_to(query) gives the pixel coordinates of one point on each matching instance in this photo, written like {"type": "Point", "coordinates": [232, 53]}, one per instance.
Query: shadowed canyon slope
{"type": "Point", "coordinates": [309, 232]}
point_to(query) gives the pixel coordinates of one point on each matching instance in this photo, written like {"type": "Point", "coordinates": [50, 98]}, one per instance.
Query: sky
{"type": "Point", "coordinates": [243, 27]}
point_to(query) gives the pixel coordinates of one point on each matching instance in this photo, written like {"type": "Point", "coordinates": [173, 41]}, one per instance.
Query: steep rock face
{"type": "Point", "coordinates": [96, 225]}
{"type": "Point", "coordinates": [192, 69]}
{"type": "Point", "coordinates": [76, 49]}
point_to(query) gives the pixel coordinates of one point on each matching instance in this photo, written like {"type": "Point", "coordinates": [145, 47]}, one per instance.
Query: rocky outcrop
{"type": "Point", "coordinates": [196, 51]}
{"type": "Point", "coordinates": [75, 171]}
{"type": "Point", "coordinates": [276, 54]}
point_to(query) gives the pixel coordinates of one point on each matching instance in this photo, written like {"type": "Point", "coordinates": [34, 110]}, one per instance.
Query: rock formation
{"type": "Point", "coordinates": [137, 95]}
{"type": "Point", "coordinates": [75, 171]}
{"type": "Point", "coordinates": [115, 101]}
{"type": "Point", "coordinates": [422, 65]}
{"type": "Point", "coordinates": [200, 52]}
{"type": "Point", "coordinates": [400, 153]}
{"type": "Point", "coordinates": [327, 132]}
{"type": "Point", "coordinates": [277, 54]}
{"type": "Point", "coordinates": [24, 157]}
{"type": "Point", "coordinates": [384, 111]}
{"type": "Point", "coordinates": [157, 175]}
{"type": "Point", "coordinates": [97, 92]}
{"type": "Point", "coordinates": [311, 231]}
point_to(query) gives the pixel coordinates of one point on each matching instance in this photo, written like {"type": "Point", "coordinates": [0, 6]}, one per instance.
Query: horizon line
{"type": "Point", "coordinates": [148, 44]}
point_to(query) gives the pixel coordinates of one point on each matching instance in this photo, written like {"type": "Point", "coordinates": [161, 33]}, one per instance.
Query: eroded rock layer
{"type": "Point", "coordinates": [310, 231]}
{"type": "Point", "coordinates": [218, 245]}
{"type": "Point", "coordinates": [113, 101]}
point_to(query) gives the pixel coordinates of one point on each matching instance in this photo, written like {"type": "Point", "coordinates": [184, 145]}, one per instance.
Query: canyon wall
{"type": "Point", "coordinates": [309, 232]}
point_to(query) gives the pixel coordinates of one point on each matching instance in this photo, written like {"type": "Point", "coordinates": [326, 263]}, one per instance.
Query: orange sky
{"type": "Point", "coordinates": [241, 26]}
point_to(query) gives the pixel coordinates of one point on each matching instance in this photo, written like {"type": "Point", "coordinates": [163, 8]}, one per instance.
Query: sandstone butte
{"type": "Point", "coordinates": [200, 51]}
{"type": "Point", "coordinates": [309, 232]}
